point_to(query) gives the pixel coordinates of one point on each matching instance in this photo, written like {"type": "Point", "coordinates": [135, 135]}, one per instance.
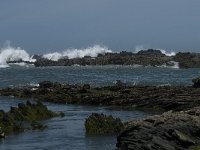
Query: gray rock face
{"type": "Point", "coordinates": [169, 131]}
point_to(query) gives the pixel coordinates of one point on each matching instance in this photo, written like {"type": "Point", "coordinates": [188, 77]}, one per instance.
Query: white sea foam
{"type": "Point", "coordinates": [78, 53]}
{"type": "Point", "coordinates": [171, 64]}
{"type": "Point", "coordinates": [13, 54]}
{"type": "Point", "coordinates": [171, 53]}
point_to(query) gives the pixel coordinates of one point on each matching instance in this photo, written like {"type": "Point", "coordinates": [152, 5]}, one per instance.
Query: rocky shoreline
{"type": "Point", "coordinates": [150, 57]}
{"type": "Point", "coordinates": [150, 97]}
{"type": "Point", "coordinates": [169, 131]}
{"type": "Point", "coordinates": [177, 128]}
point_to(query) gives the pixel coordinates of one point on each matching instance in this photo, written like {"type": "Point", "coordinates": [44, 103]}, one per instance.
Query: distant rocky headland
{"type": "Point", "coordinates": [150, 57]}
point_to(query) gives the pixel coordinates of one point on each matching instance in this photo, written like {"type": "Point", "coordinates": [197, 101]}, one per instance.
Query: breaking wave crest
{"type": "Point", "coordinates": [13, 54]}
{"type": "Point", "coordinates": [167, 53]}
{"type": "Point", "coordinates": [78, 53]}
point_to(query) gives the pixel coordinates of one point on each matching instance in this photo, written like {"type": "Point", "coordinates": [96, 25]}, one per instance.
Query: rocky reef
{"type": "Point", "coordinates": [169, 131]}
{"type": "Point", "coordinates": [24, 117]}
{"type": "Point", "coordinates": [102, 124]}
{"type": "Point", "coordinates": [150, 97]}
{"type": "Point", "coordinates": [150, 57]}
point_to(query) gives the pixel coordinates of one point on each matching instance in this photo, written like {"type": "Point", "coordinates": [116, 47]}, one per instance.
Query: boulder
{"type": "Point", "coordinates": [102, 124]}
{"type": "Point", "coordinates": [175, 130]}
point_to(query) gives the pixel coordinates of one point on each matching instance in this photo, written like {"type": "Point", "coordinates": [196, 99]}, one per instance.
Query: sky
{"type": "Point", "coordinates": [41, 26]}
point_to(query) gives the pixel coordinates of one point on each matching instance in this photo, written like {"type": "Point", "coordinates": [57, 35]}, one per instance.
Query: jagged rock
{"type": "Point", "coordinates": [102, 124]}
{"type": "Point", "coordinates": [178, 130]}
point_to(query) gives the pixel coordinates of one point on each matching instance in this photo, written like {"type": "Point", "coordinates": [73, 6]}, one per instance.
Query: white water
{"type": "Point", "coordinates": [13, 54]}
{"type": "Point", "coordinates": [172, 64]}
{"type": "Point", "coordinates": [78, 53]}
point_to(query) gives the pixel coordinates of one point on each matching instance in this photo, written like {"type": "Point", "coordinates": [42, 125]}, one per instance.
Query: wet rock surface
{"type": "Point", "coordinates": [99, 124]}
{"type": "Point", "coordinates": [24, 117]}
{"type": "Point", "coordinates": [171, 130]}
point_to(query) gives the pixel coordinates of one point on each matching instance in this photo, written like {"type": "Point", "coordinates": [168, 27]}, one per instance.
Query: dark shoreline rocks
{"type": "Point", "coordinates": [171, 130]}
{"type": "Point", "coordinates": [150, 57]}
{"type": "Point", "coordinates": [175, 129]}
{"type": "Point", "coordinates": [150, 97]}
{"type": "Point", "coordinates": [24, 117]}
{"type": "Point", "coordinates": [100, 124]}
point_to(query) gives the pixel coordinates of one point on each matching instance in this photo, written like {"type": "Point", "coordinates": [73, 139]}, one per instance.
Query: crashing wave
{"type": "Point", "coordinates": [10, 54]}
{"type": "Point", "coordinates": [167, 53]}
{"type": "Point", "coordinates": [78, 53]}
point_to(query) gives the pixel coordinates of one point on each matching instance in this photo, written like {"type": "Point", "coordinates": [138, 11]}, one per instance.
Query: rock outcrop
{"type": "Point", "coordinates": [25, 116]}
{"type": "Point", "coordinates": [151, 97]}
{"type": "Point", "coordinates": [98, 124]}
{"type": "Point", "coordinates": [169, 131]}
{"type": "Point", "coordinates": [150, 57]}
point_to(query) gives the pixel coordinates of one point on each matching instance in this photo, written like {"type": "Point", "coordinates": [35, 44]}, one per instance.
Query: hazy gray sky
{"type": "Point", "coordinates": [52, 25]}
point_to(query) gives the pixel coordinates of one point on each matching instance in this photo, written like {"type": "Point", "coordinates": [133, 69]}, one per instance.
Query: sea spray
{"type": "Point", "coordinates": [13, 54]}
{"type": "Point", "coordinates": [78, 53]}
{"type": "Point", "coordinates": [167, 53]}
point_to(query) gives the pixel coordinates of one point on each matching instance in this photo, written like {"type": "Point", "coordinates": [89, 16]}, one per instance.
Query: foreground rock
{"type": "Point", "coordinates": [101, 124]}
{"type": "Point", "coordinates": [169, 131]}
{"type": "Point", "coordinates": [25, 116]}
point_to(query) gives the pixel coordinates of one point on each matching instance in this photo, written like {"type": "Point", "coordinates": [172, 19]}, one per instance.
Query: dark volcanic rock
{"type": "Point", "coordinates": [102, 124]}
{"type": "Point", "coordinates": [169, 131]}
